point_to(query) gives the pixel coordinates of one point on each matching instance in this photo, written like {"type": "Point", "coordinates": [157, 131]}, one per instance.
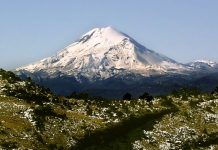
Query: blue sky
{"type": "Point", "coordinates": [183, 30]}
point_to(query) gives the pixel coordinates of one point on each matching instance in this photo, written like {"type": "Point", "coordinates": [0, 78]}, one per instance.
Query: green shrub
{"type": "Point", "coordinates": [9, 145]}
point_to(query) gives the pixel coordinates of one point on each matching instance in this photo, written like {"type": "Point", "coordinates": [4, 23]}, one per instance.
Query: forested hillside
{"type": "Point", "coordinates": [31, 117]}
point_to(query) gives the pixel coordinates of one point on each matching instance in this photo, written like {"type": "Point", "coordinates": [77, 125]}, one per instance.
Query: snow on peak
{"type": "Point", "coordinates": [107, 32]}
{"type": "Point", "coordinates": [107, 35]}
{"type": "Point", "coordinates": [203, 63]}
{"type": "Point", "coordinates": [103, 52]}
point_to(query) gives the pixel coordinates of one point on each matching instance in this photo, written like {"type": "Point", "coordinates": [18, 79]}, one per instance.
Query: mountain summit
{"type": "Point", "coordinates": [108, 63]}
{"type": "Point", "coordinates": [102, 53]}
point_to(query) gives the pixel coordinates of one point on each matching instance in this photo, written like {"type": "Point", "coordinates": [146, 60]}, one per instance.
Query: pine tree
{"type": "Point", "coordinates": [146, 96]}
{"type": "Point", "coordinates": [127, 96]}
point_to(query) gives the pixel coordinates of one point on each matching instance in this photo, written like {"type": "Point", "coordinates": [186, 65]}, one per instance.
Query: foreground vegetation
{"type": "Point", "coordinates": [33, 118]}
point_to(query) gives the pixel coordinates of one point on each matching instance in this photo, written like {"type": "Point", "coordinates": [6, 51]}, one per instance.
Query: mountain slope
{"type": "Point", "coordinates": [108, 63]}
{"type": "Point", "coordinates": [204, 66]}
{"type": "Point", "coordinates": [102, 53]}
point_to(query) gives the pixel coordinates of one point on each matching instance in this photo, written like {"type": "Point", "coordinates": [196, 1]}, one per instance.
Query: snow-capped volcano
{"type": "Point", "coordinates": [102, 53]}
{"type": "Point", "coordinates": [105, 62]}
